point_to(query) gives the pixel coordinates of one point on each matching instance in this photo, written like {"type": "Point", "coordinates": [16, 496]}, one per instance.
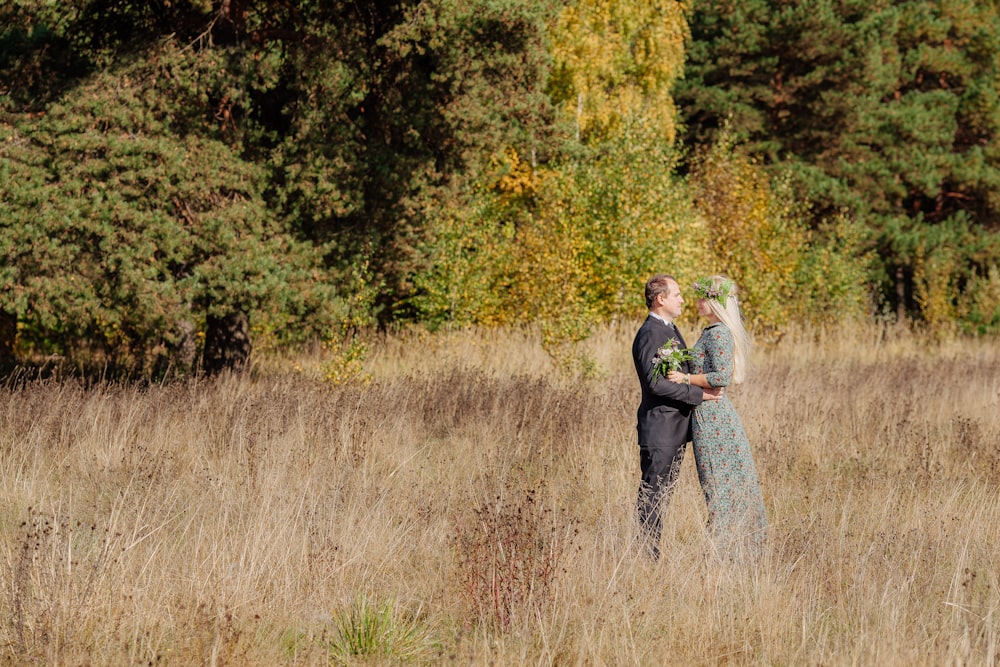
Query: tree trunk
{"type": "Point", "coordinates": [900, 295]}
{"type": "Point", "coordinates": [8, 335]}
{"type": "Point", "coordinates": [227, 343]}
{"type": "Point", "coordinates": [186, 349]}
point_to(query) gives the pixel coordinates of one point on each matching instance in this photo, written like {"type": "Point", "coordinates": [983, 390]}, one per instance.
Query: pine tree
{"type": "Point", "coordinates": [203, 169]}
{"type": "Point", "coordinates": [131, 225]}
{"type": "Point", "coordinates": [886, 110]}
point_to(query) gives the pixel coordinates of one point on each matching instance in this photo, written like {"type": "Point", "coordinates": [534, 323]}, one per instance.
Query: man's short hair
{"type": "Point", "coordinates": [657, 285]}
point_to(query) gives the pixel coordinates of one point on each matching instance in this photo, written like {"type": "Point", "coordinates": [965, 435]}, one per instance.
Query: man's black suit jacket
{"type": "Point", "coordinates": [664, 415]}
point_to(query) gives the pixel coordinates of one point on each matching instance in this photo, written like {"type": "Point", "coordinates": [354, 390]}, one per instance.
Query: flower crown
{"type": "Point", "coordinates": [703, 288]}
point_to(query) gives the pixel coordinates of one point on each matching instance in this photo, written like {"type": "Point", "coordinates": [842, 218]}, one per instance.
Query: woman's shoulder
{"type": "Point", "coordinates": [717, 334]}
{"type": "Point", "coordinates": [717, 329]}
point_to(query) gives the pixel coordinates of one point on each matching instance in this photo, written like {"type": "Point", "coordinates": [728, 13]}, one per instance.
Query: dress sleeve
{"type": "Point", "coordinates": [718, 356]}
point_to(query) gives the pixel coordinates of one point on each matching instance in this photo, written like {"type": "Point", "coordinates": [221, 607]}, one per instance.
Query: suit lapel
{"type": "Point", "coordinates": [686, 366]}
{"type": "Point", "coordinates": [677, 332]}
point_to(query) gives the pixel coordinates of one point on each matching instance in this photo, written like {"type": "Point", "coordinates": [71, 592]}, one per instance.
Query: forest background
{"type": "Point", "coordinates": [184, 180]}
{"type": "Point", "coordinates": [462, 201]}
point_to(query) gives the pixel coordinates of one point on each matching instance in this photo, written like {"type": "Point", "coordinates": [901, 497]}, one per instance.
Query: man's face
{"type": "Point", "coordinates": [671, 301]}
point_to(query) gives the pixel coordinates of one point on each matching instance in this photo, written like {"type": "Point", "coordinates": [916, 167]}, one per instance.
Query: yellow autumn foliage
{"type": "Point", "coordinates": [616, 62]}
{"type": "Point", "coordinates": [571, 244]}
{"type": "Point", "coordinates": [934, 285]}
{"type": "Point", "coordinates": [755, 237]}
{"type": "Point", "coordinates": [759, 236]}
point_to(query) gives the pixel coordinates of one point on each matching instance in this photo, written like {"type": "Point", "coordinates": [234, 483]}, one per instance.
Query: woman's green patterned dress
{"type": "Point", "coordinates": [722, 451]}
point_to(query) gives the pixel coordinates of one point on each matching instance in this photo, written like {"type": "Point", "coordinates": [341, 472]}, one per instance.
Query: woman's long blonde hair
{"type": "Point", "coordinates": [721, 295]}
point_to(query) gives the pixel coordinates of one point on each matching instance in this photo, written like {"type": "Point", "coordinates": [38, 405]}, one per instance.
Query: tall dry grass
{"type": "Point", "coordinates": [474, 505]}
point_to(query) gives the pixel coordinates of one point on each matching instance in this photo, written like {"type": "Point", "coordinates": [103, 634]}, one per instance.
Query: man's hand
{"type": "Point", "coordinates": [713, 394]}
{"type": "Point", "coordinates": [678, 377]}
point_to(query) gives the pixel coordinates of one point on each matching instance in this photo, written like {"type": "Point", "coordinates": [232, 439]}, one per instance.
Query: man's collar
{"type": "Point", "coordinates": [665, 321]}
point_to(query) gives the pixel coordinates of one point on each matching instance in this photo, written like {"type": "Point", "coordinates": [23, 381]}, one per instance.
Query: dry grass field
{"type": "Point", "coordinates": [472, 505]}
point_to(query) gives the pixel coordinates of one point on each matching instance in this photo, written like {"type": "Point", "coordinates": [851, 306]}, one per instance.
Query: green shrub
{"type": "Point", "coordinates": [979, 304]}
{"type": "Point", "coordinates": [379, 629]}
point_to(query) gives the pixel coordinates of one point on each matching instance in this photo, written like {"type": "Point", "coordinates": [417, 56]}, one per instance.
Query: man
{"type": "Point", "coordinates": [664, 415]}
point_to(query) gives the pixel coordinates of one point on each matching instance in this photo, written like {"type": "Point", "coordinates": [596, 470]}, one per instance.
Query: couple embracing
{"type": "Point", "coordinates": [684, 400]}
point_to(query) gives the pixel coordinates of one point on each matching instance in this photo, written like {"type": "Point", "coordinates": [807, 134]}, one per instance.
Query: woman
{"type": "Point", "coordinates": [726, 470]}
